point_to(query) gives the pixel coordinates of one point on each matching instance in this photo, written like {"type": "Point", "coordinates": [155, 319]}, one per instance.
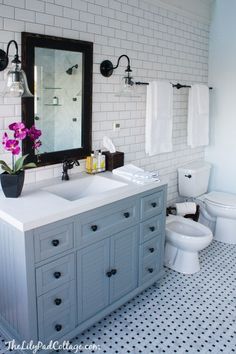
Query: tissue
{"type": "Point", "coordinates": [108, 144]}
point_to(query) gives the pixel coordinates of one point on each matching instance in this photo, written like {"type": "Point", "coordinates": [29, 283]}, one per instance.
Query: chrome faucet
{"type": "Point", "coordinates": [68, 165]}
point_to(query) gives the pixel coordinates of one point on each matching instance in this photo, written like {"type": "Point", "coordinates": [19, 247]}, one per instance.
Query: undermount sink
{"type": "Point", "coordinates": [84, 187]}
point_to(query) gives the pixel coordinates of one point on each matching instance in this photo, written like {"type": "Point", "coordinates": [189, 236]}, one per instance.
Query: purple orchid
{"type": "Point", "coordinates": [20, 131]}
{"type": "Point", "coordinates": [37, 144]}
{"type": "Point", "coordinates": [13, 146]}
{"type": "Point", "coordinates": [4, 139]}
{"type": "Point", "coordinates": [34, 133]}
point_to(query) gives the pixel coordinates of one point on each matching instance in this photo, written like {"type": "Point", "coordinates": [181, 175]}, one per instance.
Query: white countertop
{"type": "Point", "coordinates": [37, 207]}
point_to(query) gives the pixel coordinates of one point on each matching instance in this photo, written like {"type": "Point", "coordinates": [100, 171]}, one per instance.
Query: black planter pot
{"type": "Point", "coordinates": [12, 184]}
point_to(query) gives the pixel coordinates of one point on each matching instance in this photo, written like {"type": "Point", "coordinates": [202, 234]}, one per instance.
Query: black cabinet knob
{"type": "Point", "coordinates": [57, 275]}
{"type": "Point", "coordinates": [109, 274]}
{"type": "Point", "coordinates": [113, 271]}
{"type": "Point", "coordinates": [58, 327]}
{"type": "Point", "coordinates": [94, 227]}
{"type": "Point", "coordinates": [154, 204]}
{"type": "Point", "coordinates": [55, 242]}
{"type": "Point", "coordinates": [188, 176]}
{"type": "Point", "coordinates": [152, 228]}
{"type": "Point", "coordinates": [126, 215]}
{"type": "Point", "coordinates": [150, 270]}
{"type": "Point", "coordinates": [57, 301]}
{"type": "Point", "coordinates": [151, 250]}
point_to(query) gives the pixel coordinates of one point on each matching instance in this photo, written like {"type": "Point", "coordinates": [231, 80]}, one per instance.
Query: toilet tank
{"type": "Point", "coordinates": [193, 178]}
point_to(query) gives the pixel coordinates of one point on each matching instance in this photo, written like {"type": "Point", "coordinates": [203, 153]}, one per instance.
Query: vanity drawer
{"type": "Point", "coordinates": [56, 300]}
{"type": "Point", "coordinates": [103, 222]}
{"type": "Point", "coordinates": [55, 327]}
{"type": "Point", "coordinates": [53, 239]}
{"type": "Point", "coordinates": [151, 248]}
{"type": "Point", "coordinates": [152, 204]}
{"type": "Point", "coordinates": [54, 274]}
{"type": "Point", "coordinates": [151, 228]}
{"type": "Point", "coordinates": [149, 268]}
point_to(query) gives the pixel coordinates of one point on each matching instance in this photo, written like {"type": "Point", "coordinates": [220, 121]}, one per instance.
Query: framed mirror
{"type": "Point", "coordinates": [59, 72]}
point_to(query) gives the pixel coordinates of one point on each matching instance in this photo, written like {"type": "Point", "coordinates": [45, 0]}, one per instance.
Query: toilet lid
{"type": "Point", "coordinates": [226, 200]}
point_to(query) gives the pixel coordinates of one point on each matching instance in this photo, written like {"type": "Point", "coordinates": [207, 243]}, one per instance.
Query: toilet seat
{"type": "Point", "coordinates": [188, 233]}
{"type": "Point", "coordinates": [221, 199]}
{"type": "Point", "coordinates": [220, 204]}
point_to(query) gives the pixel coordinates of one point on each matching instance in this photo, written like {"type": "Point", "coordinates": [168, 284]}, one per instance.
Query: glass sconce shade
{"type": "Point", "coordinates": [16, 83]}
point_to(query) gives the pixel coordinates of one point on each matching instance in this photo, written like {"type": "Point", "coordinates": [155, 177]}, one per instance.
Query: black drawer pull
{"type": "Point", "coordinates": [58, 327]}
{"type": "Point", "coordinates": [57, 275]}
{"type": "Point", "coordinates": [94, 227]}
{"type": "Point", "coordinates": [113, 271]}
{"type": "Point", "coordinates": [152, 228]}
{"type": "Point", "coordinates": [109, 274]}
{"type": "Point", "coordinates": [151, 250]}
{"type": "Point", "coordinates": [55, 243]}
{"type": "Point", "coordinates": [150, 270]}
{"type": "Point", "coordinates": [57, 302]}
{"type": "Point", "coordinates": [154, 204]}
{"type": "Point", "coordinates": [126, 215]}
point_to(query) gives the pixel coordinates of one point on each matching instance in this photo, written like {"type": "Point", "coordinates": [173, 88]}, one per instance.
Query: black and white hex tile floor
{"type": "Point", "coordinates": [182, 314]}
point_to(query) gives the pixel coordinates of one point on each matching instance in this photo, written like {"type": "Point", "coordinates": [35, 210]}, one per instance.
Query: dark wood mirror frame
{"type": "Point", "coordinates": [29, 42]}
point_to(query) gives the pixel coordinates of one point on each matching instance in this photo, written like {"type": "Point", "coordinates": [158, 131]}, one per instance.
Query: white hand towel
{"type": "Point", "coordinates": [136, 174]}
{"type": "Point", "coordinates": [159, 117]}
{"type": "Point", "coordinates": [198, 116]}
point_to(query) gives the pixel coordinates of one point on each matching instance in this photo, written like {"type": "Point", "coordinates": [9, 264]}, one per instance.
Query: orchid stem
{"type": "Point", "coordinates": [13, 162]}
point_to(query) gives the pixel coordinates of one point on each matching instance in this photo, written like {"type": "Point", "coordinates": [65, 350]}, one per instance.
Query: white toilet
{"type": "Point", "coordinates": [184, 239]}
{"type": "Point", "coordinates": [193, 181]}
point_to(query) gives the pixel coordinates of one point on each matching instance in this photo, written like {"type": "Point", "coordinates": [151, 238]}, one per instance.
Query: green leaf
{"type": "Point", "coordinates": [30, 165]}
{"type": "Point", "coordinates": [19, 163]}
{"type": "Point", "coordinates": [5, 167]}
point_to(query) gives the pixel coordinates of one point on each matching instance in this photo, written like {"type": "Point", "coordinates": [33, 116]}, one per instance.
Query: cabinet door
{"type": "Point", "coordinates": [93, 283]}
{"type": "Point", "coordinates": [123, 262]}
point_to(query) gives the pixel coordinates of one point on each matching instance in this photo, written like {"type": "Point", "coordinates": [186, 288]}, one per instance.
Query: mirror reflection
{"type": "Point", "coordinates": [58, 98]}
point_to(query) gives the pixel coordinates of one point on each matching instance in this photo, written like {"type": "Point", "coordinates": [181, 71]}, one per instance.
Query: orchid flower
{"type": "Point", "coordinates": [20, 131]}
{"type": "Point", "coordinates": [12, 145]}
{"type": "Point", "coordinates": [34, 133]}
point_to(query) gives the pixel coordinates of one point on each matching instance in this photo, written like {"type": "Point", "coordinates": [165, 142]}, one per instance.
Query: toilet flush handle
{"type": "Point", "coordinates": [188, 176]}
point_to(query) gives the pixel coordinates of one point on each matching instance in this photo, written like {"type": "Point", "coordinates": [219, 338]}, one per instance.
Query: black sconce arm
{"type": "Point", "coordinates": [16, 59]}
{"type": "Point", "coordinates": [118, 62]}
{"type": "Point", "coordinates": [107, 68]}
{"type": "Point", "coordinates": [4, 56]}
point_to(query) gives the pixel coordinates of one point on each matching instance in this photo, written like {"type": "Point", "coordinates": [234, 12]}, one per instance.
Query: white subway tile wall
{"type": "Point", "coordinates": [161, 44]}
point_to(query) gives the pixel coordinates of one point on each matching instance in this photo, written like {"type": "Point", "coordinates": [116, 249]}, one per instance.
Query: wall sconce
{"type": "Point", "coordinates": [16, 84]}
{"type": "Point", "coordinates": [107, 68]}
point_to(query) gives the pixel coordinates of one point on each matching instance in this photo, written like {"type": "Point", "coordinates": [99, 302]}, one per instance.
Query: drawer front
{"type": "Point", "coordinates": [151, 248]}
{"type": "Point", "coordinates": [97, 225]}
{"type": "Point", "coordinates": [54, 274]}
{"type": "Point", "coordinates": [149, 268]}
{"type": "Point", "coordinates": [152, 204]}
{"type": "Point", "coordinates": [53, 239]}
{"type": "Point", "coordinates": [151, 227]}
{"type": "Point", "coordinates": [56, 300]}
{"type": "Point", "coordinates": [55, 327]}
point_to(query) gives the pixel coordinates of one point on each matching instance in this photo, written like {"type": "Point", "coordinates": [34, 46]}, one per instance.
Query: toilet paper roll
{"type": "Point", "coordinates": [186, 208]}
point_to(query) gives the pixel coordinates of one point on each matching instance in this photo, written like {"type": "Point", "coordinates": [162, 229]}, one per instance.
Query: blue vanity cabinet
{"type": "Point", "coordinates": [61, 278]}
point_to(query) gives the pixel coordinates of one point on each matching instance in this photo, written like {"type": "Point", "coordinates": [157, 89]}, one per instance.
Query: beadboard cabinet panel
{"type": "Point", "coordinates": [93, 284]}
{"type": "Point", "coordinates": [124, 261]}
